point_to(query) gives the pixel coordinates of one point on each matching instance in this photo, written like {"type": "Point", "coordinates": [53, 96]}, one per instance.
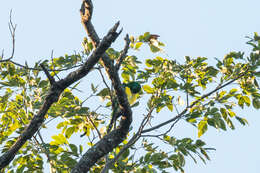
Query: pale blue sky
{"type": "Point", "coordinates": [194, 28]}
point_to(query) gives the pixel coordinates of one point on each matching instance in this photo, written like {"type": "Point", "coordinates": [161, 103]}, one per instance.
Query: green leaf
{"type": "Point", "coordinates": [221, 124]}
{"type": "Point", "coordinates": [247, 100]}
{"type": "Point", "coordinates": [80, 149]}
{"type": "Point", "coordinates": [170, 106]}
{"type": "Point", "coordinates": [202, 127]}
{"type": "Point", "coordinates": [126, 76]}
{"type": "Point", "coordinates": [125, 154]}
{"type": "Point", "coordinates": [138, 45]}
{"type": "Point", "coordinates": [213, 110]}
{"type": "Point", "coordinates": [212, 122]}
{"type": "Point", "coordinates": [69, 131]}
{"type": "Point", "coordinates": [243, 121]}
{"type": "Point", "coordinates": [147, 157]}
{"type": "Point", "coordinates": [93, 88]}
{"type": "Point", "coordinates": [103, 93]}
{"type": "Point", "coordinates": [159, 108]}
{"type": "Point", "coordinates": [200, 143]}
{"type": "Point", "coordinates": [146, 36]}
{"type": "Point", "coordinates": [231, 113]}
{"type": "Point", "coordinates": [241, 102]}
{"type": "Point", "coordinates": [68, 160]}
{"type": "Point", "coordinates": [223, 113]}
{"type": "Point", "coordinates": [135, 104]}
{"type": "Point", "coordinates": [148, 89]}
{"type": "Point", "coordinates": [148, 62]}
{"type": "Point", "coordinates": [230, 124]}
{"type": "Point", "coordinates": [74, 149]}
{"type": "Point", "coordinates": [59, 139]}
{"type": "Point", "coordinates": [233, 91]}
{"type": "Point", "coordinates": [60, 125]}
{"type": "Point", "coordinates": [154, 49]}
{"type": "Point", "coordinates": [21, 169]}
{"type": "Point", "coordinates": [204, 153]}
{"type": "Point", "coordinates": [256, 103]}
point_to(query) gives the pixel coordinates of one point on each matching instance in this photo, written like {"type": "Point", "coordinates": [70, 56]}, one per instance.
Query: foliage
{"type": "Point", "coordinates": [200, 93]}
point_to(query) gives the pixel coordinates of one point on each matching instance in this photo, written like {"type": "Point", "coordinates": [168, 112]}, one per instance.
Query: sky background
{"type": "Point", "coordinates": [194, 28]}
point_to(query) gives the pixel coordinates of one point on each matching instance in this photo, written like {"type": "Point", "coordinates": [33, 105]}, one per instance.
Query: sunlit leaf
{"type": "Point", "coordinates": [202, 127]}
{"type": "Point", "coordinates": [148, 89]}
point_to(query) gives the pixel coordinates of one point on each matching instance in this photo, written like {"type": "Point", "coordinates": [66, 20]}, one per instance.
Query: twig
{"type": "Point", "coordinates": [44, 149]}
{"type": "Point", "coordinates": [40, 69]}
{"type": "Point", "coordinates": [43, 143]}
{"type": "Point", "coordinates": [53, 65]}
{"type": "Point", "coordinates": [93, 124]}
{"type": "Point", "coordinates": [104, 81]}
{"type": "Point", "coordinates": [12, 29]}
{"type": "Point", "coordinates": [123, 53]}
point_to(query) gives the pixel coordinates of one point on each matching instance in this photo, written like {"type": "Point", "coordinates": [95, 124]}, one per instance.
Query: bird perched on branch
{"type": "Point", "coordinates": [131, 89]}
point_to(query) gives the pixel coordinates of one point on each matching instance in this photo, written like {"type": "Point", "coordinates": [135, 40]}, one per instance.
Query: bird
{"type": "Point", "coordinates": [131, 89]}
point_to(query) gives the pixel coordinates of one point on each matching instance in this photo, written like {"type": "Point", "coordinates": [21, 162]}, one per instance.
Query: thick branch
{"type": "Point", "coordinates": [51, 78]}
{"type": "Point", "coordinates": [130, 142]}
{"type": "Point", "coordinates": [115, 137]}
{"type": "Point", "coordinates": [86, 12]}
{"type": "Point", "coordinates": [54, 93]}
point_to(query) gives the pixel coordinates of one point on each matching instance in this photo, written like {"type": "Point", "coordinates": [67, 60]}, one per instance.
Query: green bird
{"type": "Point", "coordinates": [131, 89]}
{"type": "Point", "coordinates": [135, 87]}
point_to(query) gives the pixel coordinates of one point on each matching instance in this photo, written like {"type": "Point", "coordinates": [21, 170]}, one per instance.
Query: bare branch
{"type": "Point", "coordinates": [12, 28]}
{"type": "Point", "coordinates": [123, 53]}
{"type": "Point", "coordinates": [104, 81]}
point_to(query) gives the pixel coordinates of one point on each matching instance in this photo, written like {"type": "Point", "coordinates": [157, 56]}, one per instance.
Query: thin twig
{"type": "Point", "coordinates": [40, 69]}
{"type": "Point", "coordinates": [93, 124]}
{"type": "Point", "coordinates": [104, 81]}
{"type": "Point", "coordinates": [123, 53]}
{"type": "Point", "coordinates": [43, 143]}
{"type": "Point", "coordinates": [53, 65]}
{"type": "Point", "coordinates": [12, 29]}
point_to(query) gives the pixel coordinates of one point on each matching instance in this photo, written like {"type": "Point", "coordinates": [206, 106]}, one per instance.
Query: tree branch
{"type": "Point", "coordinates": [194, 103]}
{"type": "Point", "coordinates": [54, 93]}
{"type": "Point", "coordinates": [115, 137]}
{"type": "Point", "coordinates": [123, 53]}
{"type": "Point", "coordinates": [130, 142]}
{"type": "Point", "coordinates": [51, 78]}
{"type": "Point", "coordinates": [12, 29]}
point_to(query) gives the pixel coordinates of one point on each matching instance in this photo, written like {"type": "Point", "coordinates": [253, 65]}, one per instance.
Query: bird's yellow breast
{"type": "Point", "coordinates": [131, 97]}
